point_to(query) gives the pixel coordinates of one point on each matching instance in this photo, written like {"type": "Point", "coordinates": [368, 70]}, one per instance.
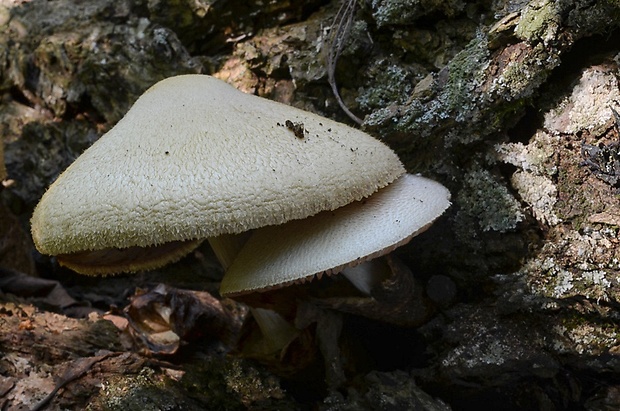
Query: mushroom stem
{"type": "Point", "coordinates": [227, 246]}
{"type": "Point", "coordinates": [367, 275]}
{"type": "Point", "coordinates": [277, 332]}
{"type": "Point", "coordinates": [398, 299]}
{"type": "Point", "coordinates": [328, 331]}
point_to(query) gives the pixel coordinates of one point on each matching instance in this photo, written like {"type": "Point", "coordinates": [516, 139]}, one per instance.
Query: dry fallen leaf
{"type": "Point", "coordinates": [162, 319]}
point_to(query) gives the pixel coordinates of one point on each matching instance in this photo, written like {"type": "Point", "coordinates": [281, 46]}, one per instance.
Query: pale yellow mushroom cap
{"type": "Point", "coordinates": [332, 240]}
{"type": "Point", "coordinates": [196, 158]}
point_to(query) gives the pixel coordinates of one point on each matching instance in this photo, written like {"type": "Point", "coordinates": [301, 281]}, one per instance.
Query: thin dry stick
{"type": "Point", "coordinates": [75, 371]}
{"type": "Point", "coordinates": [338, 33]}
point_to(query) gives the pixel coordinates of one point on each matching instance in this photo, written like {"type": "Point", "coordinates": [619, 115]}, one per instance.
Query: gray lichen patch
{"type": "Point", "coordinates": [538, 156]}
{"type": "Point", "coordinates": [539, 193]}
{"type": "Point", "coordinates": [575, 335]}
{"type": "Point", "coordinates": [486, 201]}
{"type": "Point", "coordinates": [587, 107]}
{"type": "Point", "coordinates": [393, 12]}
{"type": "Point", "coordinates": [537, 167]}
{"type": "Point", "coordinates": [584, 264]}
{"type": "Point", "coordinates": [491, 347]}
{"type": "Point", "coordinates": [580, 256]}
{"type": "Point", "coordinates": [391, 83]}
{"type": "Point", "coordinates": [570, 279]}
{"type": "Point", "coordinates": [554, 281]}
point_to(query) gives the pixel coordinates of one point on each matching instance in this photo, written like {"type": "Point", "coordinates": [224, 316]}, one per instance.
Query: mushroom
{"type": "Point", "coordinates": [335, 241]}
{"type": "Point", "coordinates": [346, 240]}
{"type": "Point", "coordinates": [196, 159]}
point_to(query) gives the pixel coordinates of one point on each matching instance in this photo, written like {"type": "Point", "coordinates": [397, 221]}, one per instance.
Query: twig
{"type": "Point", "coordinates": [338, 34]}
{"type": "Point", "coordinates": [75, 371]}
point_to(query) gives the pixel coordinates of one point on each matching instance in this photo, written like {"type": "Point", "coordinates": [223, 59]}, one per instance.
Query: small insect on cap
{"type": "Point", "coordinates": [333, 240]}
{"type": "Point", "coordinates": [196, 158]}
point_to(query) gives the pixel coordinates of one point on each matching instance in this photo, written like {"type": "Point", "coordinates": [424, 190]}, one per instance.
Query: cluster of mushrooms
{"type": "Point", "coordinates": [282, 195]}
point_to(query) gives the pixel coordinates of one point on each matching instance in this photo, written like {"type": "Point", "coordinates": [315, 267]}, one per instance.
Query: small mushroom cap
{"type": "Point", "coordinates": [332, 240]}
{"type": "Point", "coordinates": [131, 259]}
{"type": "Point", "coordinates": [196, 158]}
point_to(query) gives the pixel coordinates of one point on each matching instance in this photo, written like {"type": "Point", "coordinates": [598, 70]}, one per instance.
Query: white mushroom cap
{"type": "Point", "coordinates": [332, 240]}
{"type": "Point", "coordinates": [196, 158]}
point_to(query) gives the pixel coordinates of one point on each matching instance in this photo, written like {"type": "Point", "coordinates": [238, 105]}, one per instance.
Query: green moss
{"type": "Point", "coordinates": [538, 20]}
{"type": "Point", "coordinates": [142, 392]}
{"type": "Point", "coordinates": [459, 92]}
{"type": "Point", "coordinates": [251, 384]}
{"type": "Point", "coordinates": [232, 383]}
{"type": "Point", "coordinates": [457, 102]}
{"type": "Point", "coordinates": [208, 382]}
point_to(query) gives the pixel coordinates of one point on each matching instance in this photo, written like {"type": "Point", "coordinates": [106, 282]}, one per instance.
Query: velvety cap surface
{"type": "Point", "coordinates": [332, 240]}
{"type": "Point", "coordinates": [196, 158]}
